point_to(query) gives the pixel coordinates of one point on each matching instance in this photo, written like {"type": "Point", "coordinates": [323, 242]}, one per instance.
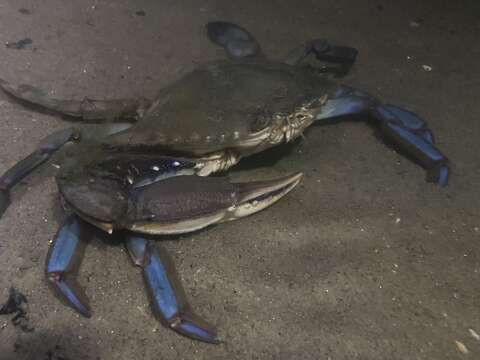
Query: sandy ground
{"type": "Point", "coordinates": [364, 260]}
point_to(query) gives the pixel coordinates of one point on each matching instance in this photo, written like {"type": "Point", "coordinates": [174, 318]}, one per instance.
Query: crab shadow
{"type": "Point", "coordinates": [267, 158]}
{"type": "Point", "coordinates": [61, 344]}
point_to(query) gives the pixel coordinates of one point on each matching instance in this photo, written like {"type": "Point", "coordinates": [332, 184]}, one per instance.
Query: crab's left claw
{"type": "Point", "coordinates": [188, 203]}
{"type": "Point", "coordinates": [406, 131]}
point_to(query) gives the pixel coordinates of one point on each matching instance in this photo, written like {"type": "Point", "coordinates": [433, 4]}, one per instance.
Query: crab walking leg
{"type": "Point", "coordinates": [237, 41]}
{"type": "Point", "coordinates": [404, 129]}
{"type": "Point", "coordinates": [168, 298]}
{"type": "Point", "coordinates": [64, 253]}
{"type": "Point", "coordinates": [87, 109]}
{"type": "Point", "coordinates": [343, 56]}
{"type": "Point", "coordinates": [24, 167]}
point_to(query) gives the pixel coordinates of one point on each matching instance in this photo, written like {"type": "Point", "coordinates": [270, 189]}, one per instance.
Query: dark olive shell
{"type": "Point", "coordinates": [217, 106]}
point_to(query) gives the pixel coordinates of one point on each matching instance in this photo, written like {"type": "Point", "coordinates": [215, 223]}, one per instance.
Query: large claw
{"type": "Point", "coordinates": [61, 261]}
{"type": "Point", "coordinates": [404, 129]}
{"type": "Point", "coordinates": [167, 295]}
{"type": "Point", "coordinates": [188, 203]}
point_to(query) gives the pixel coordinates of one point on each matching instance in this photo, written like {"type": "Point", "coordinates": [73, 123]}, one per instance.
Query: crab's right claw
{"type": "Point", "coordinates": [167, 295]}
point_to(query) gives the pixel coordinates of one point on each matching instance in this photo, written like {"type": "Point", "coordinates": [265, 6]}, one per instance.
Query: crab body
{"type": "Point", "coordinates": [245, 106]}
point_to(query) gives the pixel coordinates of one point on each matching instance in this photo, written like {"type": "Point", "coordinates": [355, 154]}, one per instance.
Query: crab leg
{"type": "Point", "coordinates": [404, 129]}
{"type": "Point", "coordinates": [64, 253]}
{"type": "Point", "coordinates": [87, 109]}
{"type": "Point", "coordinates": [24, 167]}
{"type": "Point", "coordinates": [167, 295]}
{"type": "Point", "coordinates": [237, 42]}
{"type": "Point", "coordinates": [343, 56]}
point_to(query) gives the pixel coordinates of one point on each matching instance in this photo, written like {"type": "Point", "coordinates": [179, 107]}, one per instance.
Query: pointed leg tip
{"type": "Point", "coordinates": [4, 201]}
{"type": "Point", "coordinates": [195, 331]}
{"type": "Point", "coordinates": [439, 176]}
{"type": "Point", "coordinates": [86, 313]}
{"type": "Point", "coordinates": [443, 176]}
{"type": "Point", "coordinates": [71, 294]}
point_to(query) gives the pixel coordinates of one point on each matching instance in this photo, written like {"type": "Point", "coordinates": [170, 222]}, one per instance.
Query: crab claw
{"type": "Point", "coordinates": [188, 203]}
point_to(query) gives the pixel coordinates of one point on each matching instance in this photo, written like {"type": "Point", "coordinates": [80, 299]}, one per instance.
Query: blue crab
{"type": "Point", "coordinates": [148, 174]}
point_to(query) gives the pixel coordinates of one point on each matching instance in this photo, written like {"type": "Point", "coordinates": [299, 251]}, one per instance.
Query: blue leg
{"type": "Point", "coordinates": [167, 295]}
{"type": "Point", "coordinates": [24, 167]}
{"type": "Point", "coordinates": [61, 261]}
{"type": "Point", "coordinates": [404, 129]}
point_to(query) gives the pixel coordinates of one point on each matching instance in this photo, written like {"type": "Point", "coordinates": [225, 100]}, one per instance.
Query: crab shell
{"type": "Point", "coordinates": [237, 105]}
